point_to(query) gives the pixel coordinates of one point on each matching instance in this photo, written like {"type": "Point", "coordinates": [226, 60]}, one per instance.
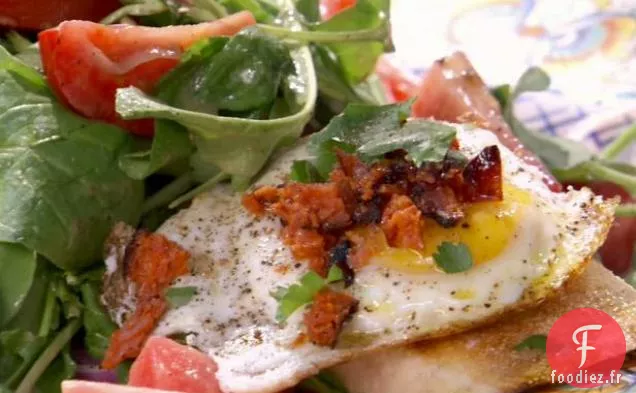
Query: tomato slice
{"type": "Point", "coordinates": [75, 386]}
{"type": "Point", "coordinates": [85, 63]}
{"type": "Point", "coordinates": [398, 87]}
{"type": "Point", "coordinates": [165, 364]}
{"type": "Point", "coordinates": [43, 14]}
{"type": "Point", "coordinates": [329, 8]}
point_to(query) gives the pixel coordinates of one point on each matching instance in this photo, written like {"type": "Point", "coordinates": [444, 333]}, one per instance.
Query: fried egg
{"type": "Point", "coordinates": [524, 248]}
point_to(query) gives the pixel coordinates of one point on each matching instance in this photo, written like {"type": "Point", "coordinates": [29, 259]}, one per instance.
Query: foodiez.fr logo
{"type": "Point", "coordinates": [586, 348]}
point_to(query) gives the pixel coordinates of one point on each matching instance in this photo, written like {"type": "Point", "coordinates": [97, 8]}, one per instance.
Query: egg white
{"type": "Point", "coordinates": [238, 260]}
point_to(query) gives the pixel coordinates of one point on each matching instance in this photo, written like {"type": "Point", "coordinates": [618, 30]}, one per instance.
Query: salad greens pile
{"type": "Point", "coordinates": [60, 194]}
{"type": "Point", "coordinates": [219, 116]}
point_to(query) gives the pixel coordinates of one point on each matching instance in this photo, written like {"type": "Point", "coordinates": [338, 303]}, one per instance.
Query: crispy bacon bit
{"type": "Point", "coordinates": [439, 203]}
{"type": "Point", "coordinates": [402, 223]}
{"type": "Point", "coordinates": [482, 177]}
{"type": "Point", "coordinates": [326, 316]}
{"type": "Point", "coordinates": [153, 263]}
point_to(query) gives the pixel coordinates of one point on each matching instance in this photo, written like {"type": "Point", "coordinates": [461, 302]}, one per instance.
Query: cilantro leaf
{"type": "Point", "coordinates": [453, 257]}
{"type": "Point", "coordinates": [297, 295]}
{"type": "Point", "coordinates": [423, 140]}
{"type": "Point", "coordinates": [373, 131]}
{"type": "Point", "coordinates": [180, 296]}
{"type": "Point", "coordinates": [536, 341]}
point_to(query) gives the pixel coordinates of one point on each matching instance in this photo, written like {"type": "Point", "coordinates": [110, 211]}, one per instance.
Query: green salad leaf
{"type": "Point", "coordinates": [536, 341]}
{"type": "Point", "coordinates": [244, 75]}
{"type": "Point", "coordinates": [61, 189]}
{"type": "Point", "coordinates": [170, 144]}
{"type": "Point", "coordinates": [297, 295]}
{"type": "Point", "coordinates": [453, 257]}
{"type": "Point", "coordinates": [32, 341]}
{"type": "Point", "coordinates": [97, 324]}
{"type": "Point", "coordinates": [17, 268]}
{"type": "Point", "coordinates": [228, 147]}
{"type": "Point", "coordinates": [357, 59]}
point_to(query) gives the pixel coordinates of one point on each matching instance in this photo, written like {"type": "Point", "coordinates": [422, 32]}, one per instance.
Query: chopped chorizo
{"type": "Point", "coordinates": [402, 223]}
{"type": "Point", "coordinates": [366, 242]}
{"type": "Point", "coordinates": [307, 244]}
{"type": "Point", "coordinates": [327, 314]}
{"type": "Point", "coordinates": [379, 205]}
{"type": "Point", "coordinates": [153, 262]}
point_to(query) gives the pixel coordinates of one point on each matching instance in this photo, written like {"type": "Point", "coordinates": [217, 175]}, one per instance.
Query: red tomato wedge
{"type": "Point", "coordinates": [101, 387]}
{"type": "Point", "coordinates": [165, 364]}
{"type": "Point", "coordinates": [453, 91]}
{"type": "Point", "coordinates": [85, 63]}
{"type": "Point", "coordinates": [329, 8]}
{"type": "Point", "coordinates": [42, 14]}
{"type": "Point", "coordinates": [398, 87]}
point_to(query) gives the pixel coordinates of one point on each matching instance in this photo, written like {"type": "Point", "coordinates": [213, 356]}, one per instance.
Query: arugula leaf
{"type": "Point", "coordinates": [357, 59]}
{"type": "Point", "coordinates": [244, 75]}
{"type": "Point", "coordinates": [304, 171]}
{"type": "Point", "coordinates": [324, 382]}
{"type": "Point", "coordinates": [32, 341]}
{"type": "Point", "coordinates": [297, 295]}
{"type": "Point", "coordinates": [453, 257]}
{"type": "Point", "coordinates": [97, 324]}
{"type": "Point", "coordinates": [569, 161]}
{"type": "Point", "coordinates": [170, 144]}
{"type": "Point", "coordinates": [180, 296]}
{"type": "Point", "coordinates": [261, 13]}
{"type": "Point", "coordinates": [309, 9]}
{"type": "Point", "coordinates": [17, 268]}
{"type": "Point", "coordinates": [61, 368]}
{"type": "Point", "coordinates": [228, 146]}
{"type": "Point", "coordinates": [60, 190]}
{"type": "Point", "coordinates": [536, 341]}
{"type": "Point", "coordinates": [333, 84]}
{"type": "Point", "coordinates": [557, 153]}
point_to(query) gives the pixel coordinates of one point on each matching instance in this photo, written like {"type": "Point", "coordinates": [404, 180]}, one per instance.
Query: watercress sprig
{"type": "Point", "coordinates": [568, 160]}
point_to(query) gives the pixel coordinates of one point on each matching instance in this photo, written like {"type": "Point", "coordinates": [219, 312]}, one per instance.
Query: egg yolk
{"type": "Point", "coordinates": [486, 230]}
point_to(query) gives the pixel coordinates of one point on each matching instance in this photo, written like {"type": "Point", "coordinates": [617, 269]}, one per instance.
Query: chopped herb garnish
{"type": "Point", "coordinates": [297, 295]}
{"type": "Point", "coordinates": [180, 296]}
{"type": "Point", "coordinates": [536, 341]}
{"type": "Point", "coordinates": [453, 257]}
{"type": "Point", "coordinates": [373, 131]}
